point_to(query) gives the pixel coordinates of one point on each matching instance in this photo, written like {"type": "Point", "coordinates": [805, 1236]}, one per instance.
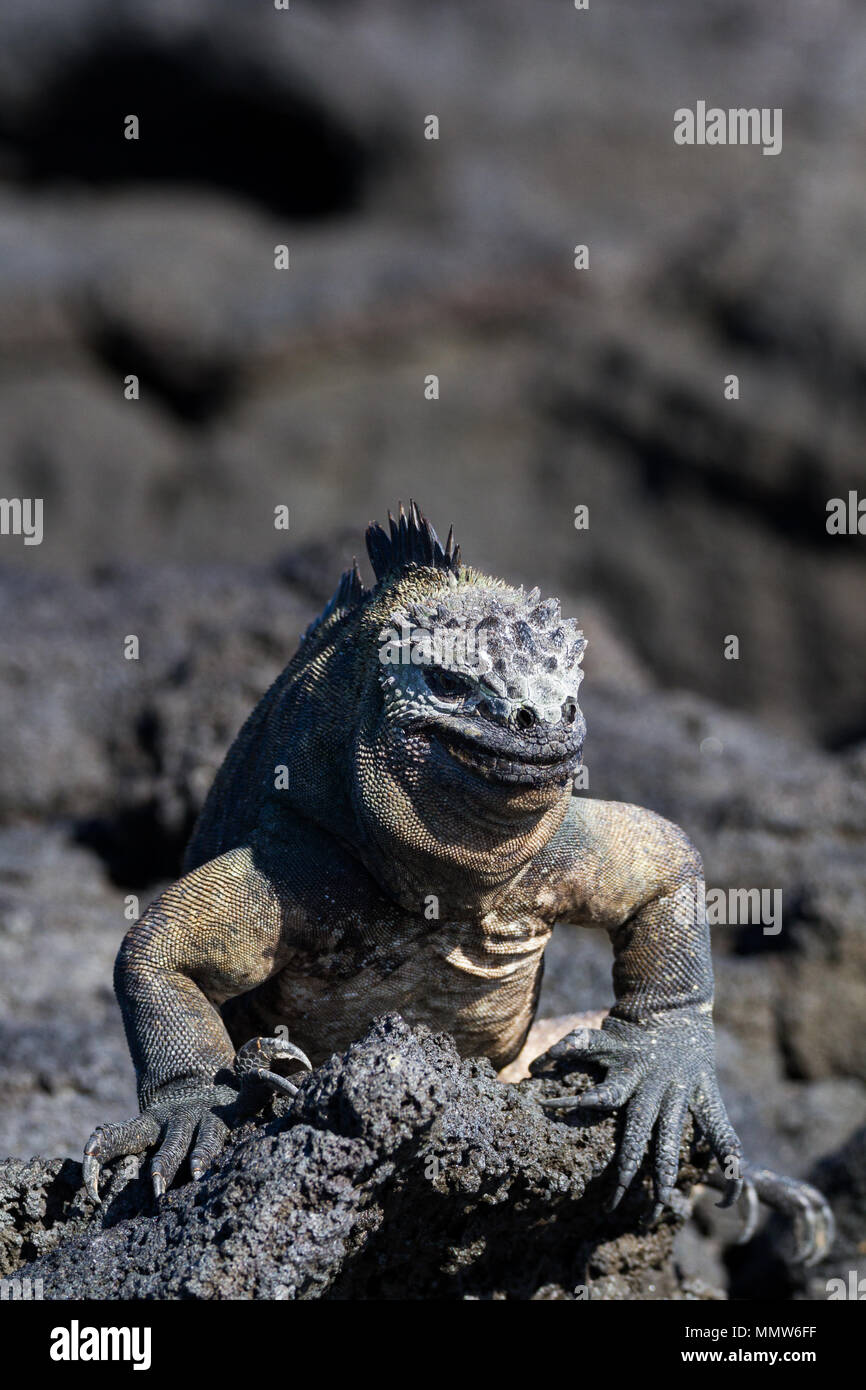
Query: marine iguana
{"type": "Point", "coordinates": [395, 829]}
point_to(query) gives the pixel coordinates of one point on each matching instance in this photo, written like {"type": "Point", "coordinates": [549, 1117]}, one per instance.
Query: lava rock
{"type": "Point", "coordinates": [399, 1170]}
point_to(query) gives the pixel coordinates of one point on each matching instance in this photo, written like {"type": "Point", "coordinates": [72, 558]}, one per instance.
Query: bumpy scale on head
{"type": "Point", "coordinates": [503, 650]}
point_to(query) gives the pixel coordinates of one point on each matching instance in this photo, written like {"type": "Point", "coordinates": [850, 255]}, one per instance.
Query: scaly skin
{"type": "Point", "coordinates": [395, 828]}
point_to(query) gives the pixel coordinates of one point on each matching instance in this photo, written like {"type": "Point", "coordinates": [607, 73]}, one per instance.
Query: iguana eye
{"type": "Point", "coordinates": [446, 685]}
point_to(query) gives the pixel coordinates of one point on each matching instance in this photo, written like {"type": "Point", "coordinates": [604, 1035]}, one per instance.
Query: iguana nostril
{"type": "Point", "coordinates": [524, 718]}
{"type": "Point", "coordinates": [569, 711]}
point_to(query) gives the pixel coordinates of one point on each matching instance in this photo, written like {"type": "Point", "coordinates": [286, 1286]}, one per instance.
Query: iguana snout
{"type": "Point", "coordinates": [505, 748]}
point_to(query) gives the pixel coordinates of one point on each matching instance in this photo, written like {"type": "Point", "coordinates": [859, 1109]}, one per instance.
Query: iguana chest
{"type": "Point", "coordinates": [476, 980]}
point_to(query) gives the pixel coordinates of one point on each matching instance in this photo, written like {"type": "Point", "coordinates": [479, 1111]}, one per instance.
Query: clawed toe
{"type": "Point", "coordinates": [90, 1172]}
{"type": "Point", "coordinates": [583, 1044]}
{"type": "Point", "coordinates": [560, 1102]}
{"type": "Point", "coordinates": [252, 1062]}
{"type": "Point", "coordinates": [115, 1141]}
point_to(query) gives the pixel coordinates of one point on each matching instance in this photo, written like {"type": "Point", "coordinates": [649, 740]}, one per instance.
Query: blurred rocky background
{"type": "Point", "coordinates": [305, 388]}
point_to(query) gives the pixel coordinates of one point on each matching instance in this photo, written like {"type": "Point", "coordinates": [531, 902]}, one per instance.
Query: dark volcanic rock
{"type": "Point", "coordinates": [129, 747]}
{"type": "Point", "coordinates": [64, 1065]}
{"type": "Point", "coordinates": [398, 1171]}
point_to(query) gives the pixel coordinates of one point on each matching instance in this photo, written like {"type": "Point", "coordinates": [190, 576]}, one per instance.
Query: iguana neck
{"type": "Point", "coordinates": [463, 854]}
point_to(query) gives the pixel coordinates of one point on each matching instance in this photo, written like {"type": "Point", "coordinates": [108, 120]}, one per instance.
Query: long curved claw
{"type": "Point", "coordinates": [279, 1083]}
{"type": "Point", "coordinates": [90, 1170]}
{"type": "Point", "coordinates": [560, 1102]}
{"type": "Point", "coordinates": [731, 1193]}
{"type": "Point", "coordinates": [751, 1213]}
{"type": "Point", "coordinates": [251, 1062]}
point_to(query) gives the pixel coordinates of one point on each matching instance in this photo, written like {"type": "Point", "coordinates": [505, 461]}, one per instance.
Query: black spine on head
{"type": "Point", "coordinates": [349, 593]}
{"type": "Point", "coordinates": [412, 541]}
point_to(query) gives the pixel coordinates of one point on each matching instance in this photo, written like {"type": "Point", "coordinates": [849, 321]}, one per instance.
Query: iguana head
{"type": "Point", "coordinates": [485, 677]}
{"type": "Point", "coordinates": [470, 729]}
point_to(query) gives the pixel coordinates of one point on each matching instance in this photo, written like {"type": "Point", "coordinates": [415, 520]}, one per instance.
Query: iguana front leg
{"type": "Point", "coordinates": [638, 875]}
{"type": "Point", "coordinates": [628, 870]}
{"type": "Point", "coordinates": [214, 934]}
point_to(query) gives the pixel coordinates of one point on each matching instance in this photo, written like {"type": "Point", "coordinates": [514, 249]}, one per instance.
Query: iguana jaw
{"type": "Point", "coordinates": [506, 761]}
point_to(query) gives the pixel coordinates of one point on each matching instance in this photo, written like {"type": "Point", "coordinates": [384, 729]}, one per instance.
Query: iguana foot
{"type": "Point", "coordinates": [657, 1072]}
{"type": "Point", "coordinates": [178, 1120]}
{"type": "Point", "coordinates": [814, 1226]}
{"type": "Point", "coordinates": [195, 1122]}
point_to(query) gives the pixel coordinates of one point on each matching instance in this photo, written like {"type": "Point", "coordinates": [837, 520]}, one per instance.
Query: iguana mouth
{"type": "Point", "coordinates": [528, 767]}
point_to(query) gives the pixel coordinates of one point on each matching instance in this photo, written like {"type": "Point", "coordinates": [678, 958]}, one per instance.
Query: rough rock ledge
{"type": "Point", "coordinates": [398, 1171]}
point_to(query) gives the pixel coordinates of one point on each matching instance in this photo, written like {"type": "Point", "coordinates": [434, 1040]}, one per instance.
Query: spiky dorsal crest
{"type": "Point", "coordinates": [348, 594]}
{"type": "Point", "coordinates": [412, 541]}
